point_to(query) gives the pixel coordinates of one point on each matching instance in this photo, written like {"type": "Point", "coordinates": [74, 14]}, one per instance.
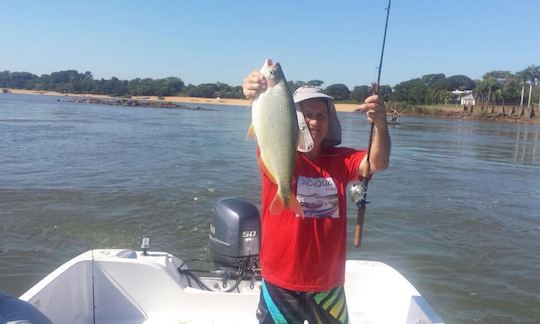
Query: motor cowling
{"type": "Point", "coordinates": [235, 230]}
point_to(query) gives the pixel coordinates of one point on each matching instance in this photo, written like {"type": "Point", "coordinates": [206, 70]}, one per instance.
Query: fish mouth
{"type": "Point", "coordinates": [270, 63]}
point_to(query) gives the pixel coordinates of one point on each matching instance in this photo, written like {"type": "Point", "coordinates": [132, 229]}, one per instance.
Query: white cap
{"type": "Point", "coordinates": [333, 136]}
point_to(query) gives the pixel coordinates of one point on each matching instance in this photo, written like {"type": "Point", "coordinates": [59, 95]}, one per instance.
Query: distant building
{"type": "Point", "coordinates": [468, 100]}
{"type": "Point", "coordinates": [464, 97]}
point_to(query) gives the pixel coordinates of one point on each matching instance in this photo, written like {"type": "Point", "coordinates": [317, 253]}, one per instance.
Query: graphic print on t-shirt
{"type": "Point", "coordinates": [318, 197]}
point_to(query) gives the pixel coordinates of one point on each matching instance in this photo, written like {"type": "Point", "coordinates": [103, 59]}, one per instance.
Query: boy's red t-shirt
{"type": "Point", "coordinates": [308, 253]}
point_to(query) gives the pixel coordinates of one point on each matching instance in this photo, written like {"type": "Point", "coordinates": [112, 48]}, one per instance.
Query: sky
{"type": "Point", "coordinates": [222, 41]}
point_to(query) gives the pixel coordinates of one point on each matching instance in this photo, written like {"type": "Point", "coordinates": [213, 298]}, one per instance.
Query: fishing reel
{"type": "Point", "coordinates": [358, 193]}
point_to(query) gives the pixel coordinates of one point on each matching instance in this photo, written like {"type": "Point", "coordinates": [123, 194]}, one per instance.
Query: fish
{"type": "Point", "coordinates": [275, 127]}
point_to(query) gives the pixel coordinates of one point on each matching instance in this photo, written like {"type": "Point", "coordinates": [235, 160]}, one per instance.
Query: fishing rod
{"type": "Point", "coordinates": [361, 203]}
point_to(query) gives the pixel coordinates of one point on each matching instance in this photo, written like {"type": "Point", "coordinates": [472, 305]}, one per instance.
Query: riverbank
{"type": "Point", "coordinates": [131, 103]}
{"type": "Point", "coordinates": [173, 99]}
{"type": "Point", "coordinates": [491, 113]}
{"type": "Point", "coordinates": [478, 112]}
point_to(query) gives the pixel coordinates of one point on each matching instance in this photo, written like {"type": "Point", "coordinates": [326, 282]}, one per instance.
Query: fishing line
{"type": "Point", "coordinates": [361, 203]}
{"type": "Point", "coordinates": [93, 289]}
{"type": "Point", "coordinates": [92, 237]}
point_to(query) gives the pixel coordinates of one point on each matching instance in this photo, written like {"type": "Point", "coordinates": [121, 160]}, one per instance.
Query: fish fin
{"type": "Point", "coordinates": [266, 171]}
{"type": "Point", "coordinates": [295, 206]}
{"type": "Point", "coordinates": [251, 132]}
{"type": "Point", "coordinates": [278, 204]}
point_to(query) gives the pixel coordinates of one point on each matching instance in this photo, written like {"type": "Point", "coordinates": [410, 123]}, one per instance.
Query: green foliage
{"type": "Point", "coordinates": [497, 75]}
{"type": "Point", "coordinates": [498, 87]}
{"type": "Point", "coordinates": [501, 87]}
{"type": "Point", "coordinates": [292, 85]}
{"type": "Point", "coordinates": [435, 96]}
{"type": "Point", "coordinates": [413, 91]}
{"type": "Point", "coordinates": [339, 91]}
{"type": "Point", "coordinates": [71, 81]}
{"type": "Point", "coordinates": [4, 79]}
{"type": "Point", "coordinates": [226, 91]}
{"type": "Point", "coordinates": [360, 93]}
{"type": "Point", "coordinates": [18, 80]}
{"type": "Point", "coordinates": [432, 79]}
{"type": "Point", "coordinates": [204, 90]}
{"type": "Point", "coordinates": [169, 86]}
{"type": "Point", "coordinates": [315, 83]}
{"type": "Point", "coordinates": [531, 76]}
{"type": "Point", "coordinates": [385, 92]}
{"type": "Point", "coordinates": [455, 82]}
{"type": "Point", "coordinates": [431, 89]}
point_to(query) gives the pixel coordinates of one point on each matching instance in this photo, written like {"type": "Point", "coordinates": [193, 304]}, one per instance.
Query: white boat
{"type": "Point", "coordinates": [126, 286]}
{"type": "Point", "coordinates": [130, 287]}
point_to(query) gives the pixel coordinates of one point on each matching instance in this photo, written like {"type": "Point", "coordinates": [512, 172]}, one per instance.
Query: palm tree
{"type": "Point", "coordinates": [532, 80]}
{"type": "Point", "coordinates": [531, 74]}
{"type": "Point", "coordinates": [491, 81]}
{"type": "Point", "coordinates": [522, 75]}
{"type": "Point", "coordinates": [537, 77]}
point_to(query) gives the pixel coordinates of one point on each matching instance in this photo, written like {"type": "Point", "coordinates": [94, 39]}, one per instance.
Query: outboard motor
{"type": "Point", "coordinates": [234, 238]}
{"type": "Point", "coordinates": [234, 244]}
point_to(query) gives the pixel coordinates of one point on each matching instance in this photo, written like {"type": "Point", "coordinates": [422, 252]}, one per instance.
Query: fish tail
{"type": "Point", "coordinates": [295, 206]}
{"type": "Point", "coordinates": [279, 204]}
{"type": "Point", "coordinates": [251, 132]}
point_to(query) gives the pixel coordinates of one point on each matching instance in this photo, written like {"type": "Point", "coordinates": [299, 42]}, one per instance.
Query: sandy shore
{"type": "Point", "coordinates": [454, 112]}
{"type": "Point", "coordinates": [206, 101]}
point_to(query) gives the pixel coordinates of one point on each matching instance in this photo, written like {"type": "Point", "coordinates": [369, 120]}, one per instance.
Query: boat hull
{"type": "Point", "coordinates": [130, 287]}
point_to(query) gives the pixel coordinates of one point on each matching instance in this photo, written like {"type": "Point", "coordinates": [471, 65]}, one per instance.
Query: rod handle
{"type": "Point", "coordinates": [359, 226]}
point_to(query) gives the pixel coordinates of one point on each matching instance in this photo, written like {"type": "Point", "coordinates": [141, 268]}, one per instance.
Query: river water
{"type": "Point", "coordinates": [457, 212]}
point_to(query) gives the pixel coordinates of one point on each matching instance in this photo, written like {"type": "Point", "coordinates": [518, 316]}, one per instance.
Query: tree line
{"type": "Point", "coordinates": [499, 87]}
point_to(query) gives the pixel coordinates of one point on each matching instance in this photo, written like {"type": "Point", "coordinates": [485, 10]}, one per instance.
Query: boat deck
{"type": "Point", "coordinates": [130, 287]}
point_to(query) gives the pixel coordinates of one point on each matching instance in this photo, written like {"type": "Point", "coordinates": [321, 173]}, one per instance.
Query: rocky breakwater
{"type": "Point", "coordinates": [131, 103]}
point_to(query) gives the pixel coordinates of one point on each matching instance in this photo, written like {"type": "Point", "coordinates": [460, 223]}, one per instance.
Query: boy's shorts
{"type": "Point", "coordinates": [279, 305]}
